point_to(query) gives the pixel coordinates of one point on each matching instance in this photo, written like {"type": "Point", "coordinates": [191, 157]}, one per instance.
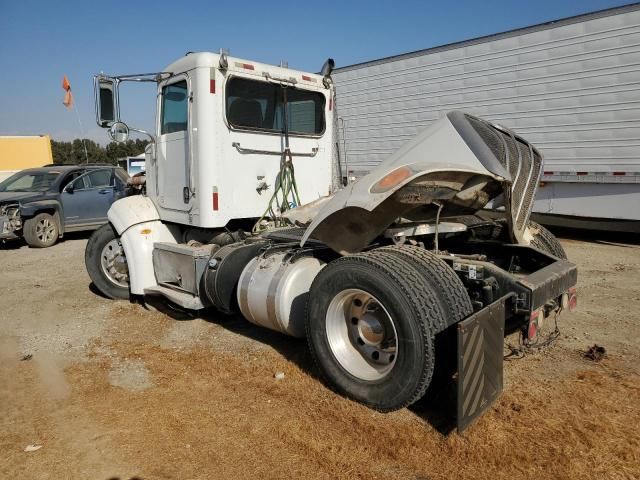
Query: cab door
{"type": "Point", "coordinates": [173, 146]}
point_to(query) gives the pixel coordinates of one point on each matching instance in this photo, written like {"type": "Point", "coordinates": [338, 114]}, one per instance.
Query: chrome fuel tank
{"type": "Point", "coordinates": [273, 291]}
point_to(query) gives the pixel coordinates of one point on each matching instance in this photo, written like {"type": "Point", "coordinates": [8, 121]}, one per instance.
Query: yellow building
{"type": "Point", "coordinates": [20, 152]}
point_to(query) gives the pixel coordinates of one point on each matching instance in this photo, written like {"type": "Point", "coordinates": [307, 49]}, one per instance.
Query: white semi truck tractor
{"type": "Point", "coordinates": [390, 278]}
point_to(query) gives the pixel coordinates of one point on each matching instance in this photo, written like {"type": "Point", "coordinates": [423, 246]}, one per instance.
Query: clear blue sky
{"type": "Point", "coordinates": [42, 41]}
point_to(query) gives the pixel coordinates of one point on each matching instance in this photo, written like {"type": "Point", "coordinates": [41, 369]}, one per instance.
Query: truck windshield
{"type": "Point", "coordinates": [29, 182]}
{"type": "Point", "coordinates": [258, 105]}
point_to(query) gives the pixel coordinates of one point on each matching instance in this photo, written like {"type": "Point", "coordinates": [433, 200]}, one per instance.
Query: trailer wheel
{"type": "Point", "coordinates": [106, 263]}
{"type": "Point", "coordinates": [371, 320]}
{"type": "Point", "coordinates": [546, 241]}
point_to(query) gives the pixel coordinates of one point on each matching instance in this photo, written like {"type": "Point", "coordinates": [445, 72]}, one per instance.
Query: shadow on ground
{"type": "Point", "coordinates": [436, 410]}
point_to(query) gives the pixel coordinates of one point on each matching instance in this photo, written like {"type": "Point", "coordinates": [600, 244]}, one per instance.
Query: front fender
{"type": "Point", "coordinates": [138, 242]}
{"type": "Point", "coordinates": [130, 211]}
{"type": "Point", "coordinates": [31, 209]}
{"type": "Point", "coordinates": [137, 221]}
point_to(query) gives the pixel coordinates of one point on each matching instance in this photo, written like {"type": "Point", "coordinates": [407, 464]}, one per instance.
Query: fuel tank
{"type": "Point", "coordinates": [273, 289]}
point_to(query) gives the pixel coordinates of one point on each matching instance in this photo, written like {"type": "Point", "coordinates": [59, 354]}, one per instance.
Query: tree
{"type": "Point", "coordinates": [74, 152]}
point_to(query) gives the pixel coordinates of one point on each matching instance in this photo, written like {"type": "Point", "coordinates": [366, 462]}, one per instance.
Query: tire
{"type": "Point", "coordinates": [546, 241]}
{"type": "Point", "coordinates": [41, 231]}
{"type": "Point", "coordinates": [106, 263]}
{"type": "Point", "coordinates": [451, 292]}
{"type": "Point", "coordinates": [456, 305]}
{"type": "Point", "coordinates": [404, 307]}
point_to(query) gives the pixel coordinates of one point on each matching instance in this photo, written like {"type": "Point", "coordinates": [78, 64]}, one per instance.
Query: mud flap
{"type": "Point", "coordinates": [480, 356]}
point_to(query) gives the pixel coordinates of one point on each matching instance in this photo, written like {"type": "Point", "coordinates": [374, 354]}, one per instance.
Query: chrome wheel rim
{"type": "Point", "coordinates": [114, 263]}
{"type": "Point", "coordinates": [45, 230]}
{"type": "Point", "coordinates": [361, 334]}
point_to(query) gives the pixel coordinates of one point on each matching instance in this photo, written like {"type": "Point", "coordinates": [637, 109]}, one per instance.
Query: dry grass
{"type": "Point", "coordinates": [219, 417]}
{"type": "Point", "coordinates": [214, 409]}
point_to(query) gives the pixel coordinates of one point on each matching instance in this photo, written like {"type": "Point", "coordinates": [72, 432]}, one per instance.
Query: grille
{"type": "Point", "coordinates": [520, 160]}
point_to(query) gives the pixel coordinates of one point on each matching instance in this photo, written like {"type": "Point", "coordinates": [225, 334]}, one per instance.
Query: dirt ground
{"type": "Point", "coordinates": [111, 390]}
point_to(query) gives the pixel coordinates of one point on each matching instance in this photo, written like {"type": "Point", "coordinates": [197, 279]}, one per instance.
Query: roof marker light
{"type": "Point", "coordinates": [246, 66]}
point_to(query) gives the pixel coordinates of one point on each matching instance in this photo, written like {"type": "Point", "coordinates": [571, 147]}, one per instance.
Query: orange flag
{"type": "Point", "coordinates": [68, 96]}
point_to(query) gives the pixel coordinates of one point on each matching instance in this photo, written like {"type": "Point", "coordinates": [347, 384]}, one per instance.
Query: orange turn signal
{"type": "Point", "coordinates": [391, 179]}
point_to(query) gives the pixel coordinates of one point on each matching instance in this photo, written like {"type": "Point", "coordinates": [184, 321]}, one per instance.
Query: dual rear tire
{"type": "Point", "coordinates": [372, 320]}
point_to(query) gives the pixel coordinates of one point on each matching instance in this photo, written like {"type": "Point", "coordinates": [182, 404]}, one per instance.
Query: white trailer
{"type": "Point", "coordinates": [571, 86]}
{"type": "Point", "coordinates": [133, 165]}
{"type": "Point", "coordinates": [389, 278]}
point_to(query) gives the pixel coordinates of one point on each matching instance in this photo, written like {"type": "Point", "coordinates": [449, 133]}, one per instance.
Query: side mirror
{"type": "Point", "coordinates": [106, 98]}
{"type": "Point", "coordinates": [68, 188]}
{"type": "Point", "coordinates": [119, 132]}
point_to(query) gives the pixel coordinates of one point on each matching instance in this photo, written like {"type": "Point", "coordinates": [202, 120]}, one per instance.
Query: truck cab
{"type": "Point", "coordinates": [218, 137]}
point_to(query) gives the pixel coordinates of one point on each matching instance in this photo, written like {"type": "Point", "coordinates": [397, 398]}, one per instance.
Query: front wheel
{"type": "Point", "coordinates": [41, 231]}
{"type": "Point", "coordinates": [107, 264]}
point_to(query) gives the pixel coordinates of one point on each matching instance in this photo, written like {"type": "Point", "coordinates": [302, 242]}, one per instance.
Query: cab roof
{"type": "Point", "coordinates": [212, 60]}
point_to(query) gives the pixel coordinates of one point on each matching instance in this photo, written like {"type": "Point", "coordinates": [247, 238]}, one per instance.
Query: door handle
{"type": "Point", "coordinates": [104, 191]}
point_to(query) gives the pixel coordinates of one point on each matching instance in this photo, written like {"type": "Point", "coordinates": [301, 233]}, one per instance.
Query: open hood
{"type": "Point", "coordinates": [458, 164]}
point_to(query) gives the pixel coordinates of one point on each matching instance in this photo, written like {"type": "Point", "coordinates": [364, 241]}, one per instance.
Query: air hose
{"type": "Point", "coordinates": [285, 194]}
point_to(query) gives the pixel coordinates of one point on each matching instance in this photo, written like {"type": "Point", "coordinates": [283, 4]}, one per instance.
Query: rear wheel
{"type": "Point", "coordinates": [41, 231]}
{"type": "Point", "coordinates": [370, 325]}
{"type": "Point", "coordinates": [107, 264]}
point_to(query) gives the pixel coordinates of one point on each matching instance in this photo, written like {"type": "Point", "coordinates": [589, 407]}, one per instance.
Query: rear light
{"type": "Point", "coordinates": [215, 198]}
{"type": "Point", "coordinates": [212, 86]}
{"type": "Point", "coordinates": [573, 298]}
{"type": "Point", "coordinates": [532, 331]}
{"type": "Point", "coordinates": [535, 324]}
{"type": "Point", "coordinates": [392, 179]}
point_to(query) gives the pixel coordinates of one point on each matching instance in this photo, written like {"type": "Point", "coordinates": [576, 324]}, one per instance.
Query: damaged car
{"type": "Point", "coordinates": [41, 204]}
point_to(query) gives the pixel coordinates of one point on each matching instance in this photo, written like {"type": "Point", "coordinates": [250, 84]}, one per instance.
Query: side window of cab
{"type": "Point", "coordinates": [175, 108]}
